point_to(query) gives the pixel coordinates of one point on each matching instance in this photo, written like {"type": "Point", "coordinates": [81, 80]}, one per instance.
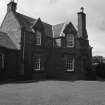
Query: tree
{"type": "Point", "coordinates": [98, 65]}
{"type": "Point", "coordinates": [100, 70]}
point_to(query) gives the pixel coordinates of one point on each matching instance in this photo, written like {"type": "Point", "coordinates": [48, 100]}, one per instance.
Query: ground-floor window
{"type": "Point", "coordinates": [69, 64]}
{"type": "Point", "coordinates": [36, 65]}
{"type": "Point", "coordinates": [2, 60]}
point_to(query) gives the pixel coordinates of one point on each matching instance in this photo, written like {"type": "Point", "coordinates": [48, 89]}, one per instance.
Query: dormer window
{"type": "Point", "coordinates": [70, 40]}
{"type": "Point", "coordinates": [38, 38]}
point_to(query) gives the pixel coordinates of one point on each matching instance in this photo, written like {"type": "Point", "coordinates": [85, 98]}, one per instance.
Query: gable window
{"type": "Point", "coordinates": [70, 40]}
{"type": "Point", "coordinates": [38, 38]}
{"type": "Point", "coordinates": [36, 65]}
{"type": "Point", "coordinates": [58, 42]}
{"type": "Point", "coordinates": [69, 64]}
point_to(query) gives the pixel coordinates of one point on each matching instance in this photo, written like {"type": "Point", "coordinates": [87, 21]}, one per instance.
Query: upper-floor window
{"type": "Point", "coordinates": [70, 40]}
{"type": "Point", "coordinates": [38, 38]}
{"type": "Point", "coordinates": [58, 42]}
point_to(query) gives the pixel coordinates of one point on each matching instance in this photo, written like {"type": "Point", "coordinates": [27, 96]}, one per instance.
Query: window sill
{"type": "Point", "coordinates": [69, 70]}
{"type": "Point", "coordinates": [69, 46]}
{"type": "Point", "coordinates": [37, 44]}
{"type": "Point", "coordinates": [36, 70]}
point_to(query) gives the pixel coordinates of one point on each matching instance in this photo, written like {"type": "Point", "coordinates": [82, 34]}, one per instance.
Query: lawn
{"type": "Point", "coordinates": [53, 93]}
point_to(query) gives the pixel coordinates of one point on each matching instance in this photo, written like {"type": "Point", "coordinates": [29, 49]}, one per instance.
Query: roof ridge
{"type": "Point", "coordinates": [58, 24]}
{"type": "Point", "coordinates": [25, 16]}
{"type": "Point", "coordinates": [31, 18]}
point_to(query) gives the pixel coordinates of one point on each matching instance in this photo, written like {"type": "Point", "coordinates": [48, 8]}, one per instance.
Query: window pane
{"type": "Point", "coordinates": [2, 57]}
{"type": "Point", "coordinates": [58, 42]}
{"type": "Point", "coordinates": [70, 40]}
{"type": "Point", "coordinates": [36, 65]}
{"type": "Point", "coordinates": [70, 64]}
{"type": "Point", "coordinates": [38, 38]}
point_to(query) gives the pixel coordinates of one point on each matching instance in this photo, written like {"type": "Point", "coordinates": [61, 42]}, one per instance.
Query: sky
{"type": "Point", "coordinates": [59, 11]}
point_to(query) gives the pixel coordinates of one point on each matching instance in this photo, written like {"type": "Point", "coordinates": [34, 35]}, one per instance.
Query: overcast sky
{"type": "Point", "coordinates": [58, 11]}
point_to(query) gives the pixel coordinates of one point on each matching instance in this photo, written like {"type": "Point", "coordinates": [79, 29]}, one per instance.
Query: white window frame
{"type": "Point", "coordinates": [69, 64]}
{"type": "Point", "coordinates": [37, 64]}
{"type": "Point", "coordinates": [70, 40]}
{"type": "Point", "coordinates": [38, 38]}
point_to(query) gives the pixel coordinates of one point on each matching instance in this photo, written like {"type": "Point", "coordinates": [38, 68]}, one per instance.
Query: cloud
{"type": "Point", "coordinates": [53, 1]}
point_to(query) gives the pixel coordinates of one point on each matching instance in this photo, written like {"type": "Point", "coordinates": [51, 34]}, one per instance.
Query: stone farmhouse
{"type": "Point", "coordinates": [33, 49]}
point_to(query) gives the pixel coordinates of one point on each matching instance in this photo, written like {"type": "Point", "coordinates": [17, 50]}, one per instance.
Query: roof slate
{"type": "Point", "coordinates": [57, 29]}
{"type": "Point", "coordinates": [25, 21]}
{"type": "Point", "coordinates": [6, 42]}
{"type": "Point", "coordinates": [48, 29]}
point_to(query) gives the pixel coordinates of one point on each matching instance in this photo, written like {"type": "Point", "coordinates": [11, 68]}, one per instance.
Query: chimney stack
{"type": "Point", "coordinates": [11, 6]}
{"type": "Point", "coordinates": [82, 24]}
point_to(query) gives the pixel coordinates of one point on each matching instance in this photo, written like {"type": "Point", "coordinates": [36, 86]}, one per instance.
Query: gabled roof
{"type": "Point", "coordinates": [59, 29]}
{"type": "Point", "coordinates": [53, 31]}
{"type": "Point", "coordinates": [28, 22]}
{"type": "Point", "coordinates": [70, 28]}
{"type": "Point", "coordinates": [6, 42]}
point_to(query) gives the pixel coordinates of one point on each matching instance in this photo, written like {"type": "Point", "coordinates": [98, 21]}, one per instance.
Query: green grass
{"type": "Point", "coordinates": [53, 93]}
